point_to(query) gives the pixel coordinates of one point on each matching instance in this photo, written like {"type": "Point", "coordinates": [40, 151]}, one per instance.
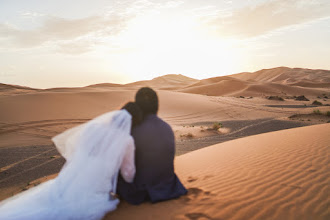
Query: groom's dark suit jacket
{"type": "Point", "coordinates": [155, 179]}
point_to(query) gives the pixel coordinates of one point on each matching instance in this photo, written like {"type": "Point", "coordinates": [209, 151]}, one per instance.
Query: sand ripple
{"type": "Point", "coordinates": [278, 175]}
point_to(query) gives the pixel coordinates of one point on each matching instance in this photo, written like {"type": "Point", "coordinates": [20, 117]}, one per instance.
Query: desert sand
{"type": "Point", "coordinates": [248, 178]}
{"type": "Point", "coordinates": [278, 175]}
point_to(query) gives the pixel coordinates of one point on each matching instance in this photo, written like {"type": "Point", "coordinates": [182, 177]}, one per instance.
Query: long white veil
{"type": "Point", "coordinates": [68, 141]}
{"type": "Point", "coordinates": [94, 152]}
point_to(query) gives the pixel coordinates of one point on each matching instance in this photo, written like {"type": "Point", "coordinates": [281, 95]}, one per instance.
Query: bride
{"type": "Point", "coordinates": [95, 152]}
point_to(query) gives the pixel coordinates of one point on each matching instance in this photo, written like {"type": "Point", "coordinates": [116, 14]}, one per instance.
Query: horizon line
{"type": "Point", "coordinates": [124, 84]}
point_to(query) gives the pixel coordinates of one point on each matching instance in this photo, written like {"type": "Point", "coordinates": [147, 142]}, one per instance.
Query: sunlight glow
{"type": "Point", "coordinates": [47, 44]}
{"type": "Point", "coordinates": [156, 45]}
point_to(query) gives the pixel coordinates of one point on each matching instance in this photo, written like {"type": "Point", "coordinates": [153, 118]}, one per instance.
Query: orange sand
{"type": "Point", "coordinates": [278, 175]}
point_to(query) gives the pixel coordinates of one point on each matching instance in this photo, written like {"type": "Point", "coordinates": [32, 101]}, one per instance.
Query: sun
{"type": "Point", "coordinates": [157, 45]}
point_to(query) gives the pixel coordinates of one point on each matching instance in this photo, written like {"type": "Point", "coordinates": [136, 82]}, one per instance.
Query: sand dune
{"type": "Point", "coordinates": [60, 105]}
{"type": "Point", "coordinates": [34, 117]}
{"type": "Point", "coordinates": [277, 81]}
{"type": "Point", "coordinates": [278, 175]}
{"type": "Point", "coordinates": [165, 82]}
{"type": "Point", "coordinates": [281, 80]}
{"type": "Point", "coordinates": [106, 85]}
{"type": "Point", "coordinates": [264, 89]}
{"type": "Point", "coordinates": [210, 81]}
{"type": "Point", "coordinates": [240, 88]}
{"type": "Point", "coordinates": [29, 120]}
{"type": "Point", "coordinates": [6, 89]}
{"type": "Point", "coordinates": [306, 83]}
{"type": "Point", "coordinates": [218, 86]}
{"type": "Point", "coordinates": [285, 75]}
{"type": "Point", "coordinates": [87, 103]}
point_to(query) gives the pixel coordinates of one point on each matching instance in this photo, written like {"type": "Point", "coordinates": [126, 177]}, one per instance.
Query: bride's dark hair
{"type": "Point", "coordinates": [135, 111]}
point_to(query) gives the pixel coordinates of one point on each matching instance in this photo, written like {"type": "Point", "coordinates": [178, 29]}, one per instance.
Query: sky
{"type": "Point", "coordinates": [60, 43]}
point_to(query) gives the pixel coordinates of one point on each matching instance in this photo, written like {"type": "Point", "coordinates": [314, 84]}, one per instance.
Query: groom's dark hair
{"type": "Point", "coordinates": [147, 99]}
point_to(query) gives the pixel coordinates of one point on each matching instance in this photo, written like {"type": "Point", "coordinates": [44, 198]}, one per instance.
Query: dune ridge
{"type": "Point", "coordinates": [216, 86]}
{"type": "Point", "coordinates": [11, 87]}
{"type": "Point", "coordinates": [285, 75]}
{"type": "Point", "coordinates": [7, 89]}
{"type": "Point", "coordinates": [275, 81]}
{"type": "Point", "coordinates": [264, 89]}
{"type": "Point", "coordinates": [170, 81]}
{"type": "Point", "coordinates": [278, 175]}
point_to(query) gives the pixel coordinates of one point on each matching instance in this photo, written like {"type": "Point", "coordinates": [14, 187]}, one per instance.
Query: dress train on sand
{"type": "Point", "coordinates": [95, 152]}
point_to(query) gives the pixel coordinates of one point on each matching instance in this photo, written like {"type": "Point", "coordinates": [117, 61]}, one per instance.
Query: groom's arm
{"type": "Point", "coordinates": [127, 168]}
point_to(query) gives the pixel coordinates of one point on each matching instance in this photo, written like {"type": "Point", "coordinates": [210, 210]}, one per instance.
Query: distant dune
{"type": "Point", "coordinates": [286, 75]}
{"type": "Point", "coordinates": [218, 86]}
{"type": "Point", "coordinates": [265, 89]}
{"type": "Point", "coordinates": [165, 82]}
{"type": "Point", "coordinates": [281, 81]}
{"type": "Point", "coordinates": [7, 89]}
{"type": "Point", "coordinates": [277, 81]}
{"type": "Point", "coordinates": [4, 87]}
{"type": "Point", "coordinates": [101, 85]}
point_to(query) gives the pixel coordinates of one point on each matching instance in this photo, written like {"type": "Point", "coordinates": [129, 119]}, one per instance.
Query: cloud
{"type": "Point", "coordinates": [75, 36]}
{"type": "Point", "coordinates": [75, 47]}
{"type": "Point", "coordinates": [269, 16]}
{"type": "Point", "coordinates": [5, 74]}
{"type": "Point", "coordinates": [172, 4]}
{"type": "Point", "coordinates": [32, 14]}
{"type": "Point", "coordinates": [61, 29]}
{"type": "Point", "coordinates": [139, 7]}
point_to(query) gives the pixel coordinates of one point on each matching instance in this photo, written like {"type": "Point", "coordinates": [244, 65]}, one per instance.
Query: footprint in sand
{"type": "Point", "coordinates": [192, 179]}
{"type": "Point", "coordinates": [199, 216]}
{"type": "Point", "coordinates": [196, 194]}
{"type": "Point", "coordinates": [207, 177]}
{"type": "Point", "coordinates": [195, 191]}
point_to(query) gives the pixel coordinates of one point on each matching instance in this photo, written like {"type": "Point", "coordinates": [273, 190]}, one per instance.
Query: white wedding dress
{"type": "Point", "coordinates": [95, 152]}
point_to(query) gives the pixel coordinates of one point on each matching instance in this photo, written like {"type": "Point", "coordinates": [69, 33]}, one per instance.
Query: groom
{"type": "Point", "coordinates": [155, 179]}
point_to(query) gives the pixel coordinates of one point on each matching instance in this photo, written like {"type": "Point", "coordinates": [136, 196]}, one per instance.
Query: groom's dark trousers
{"type": "Point", "coordinates": [155, 179]}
